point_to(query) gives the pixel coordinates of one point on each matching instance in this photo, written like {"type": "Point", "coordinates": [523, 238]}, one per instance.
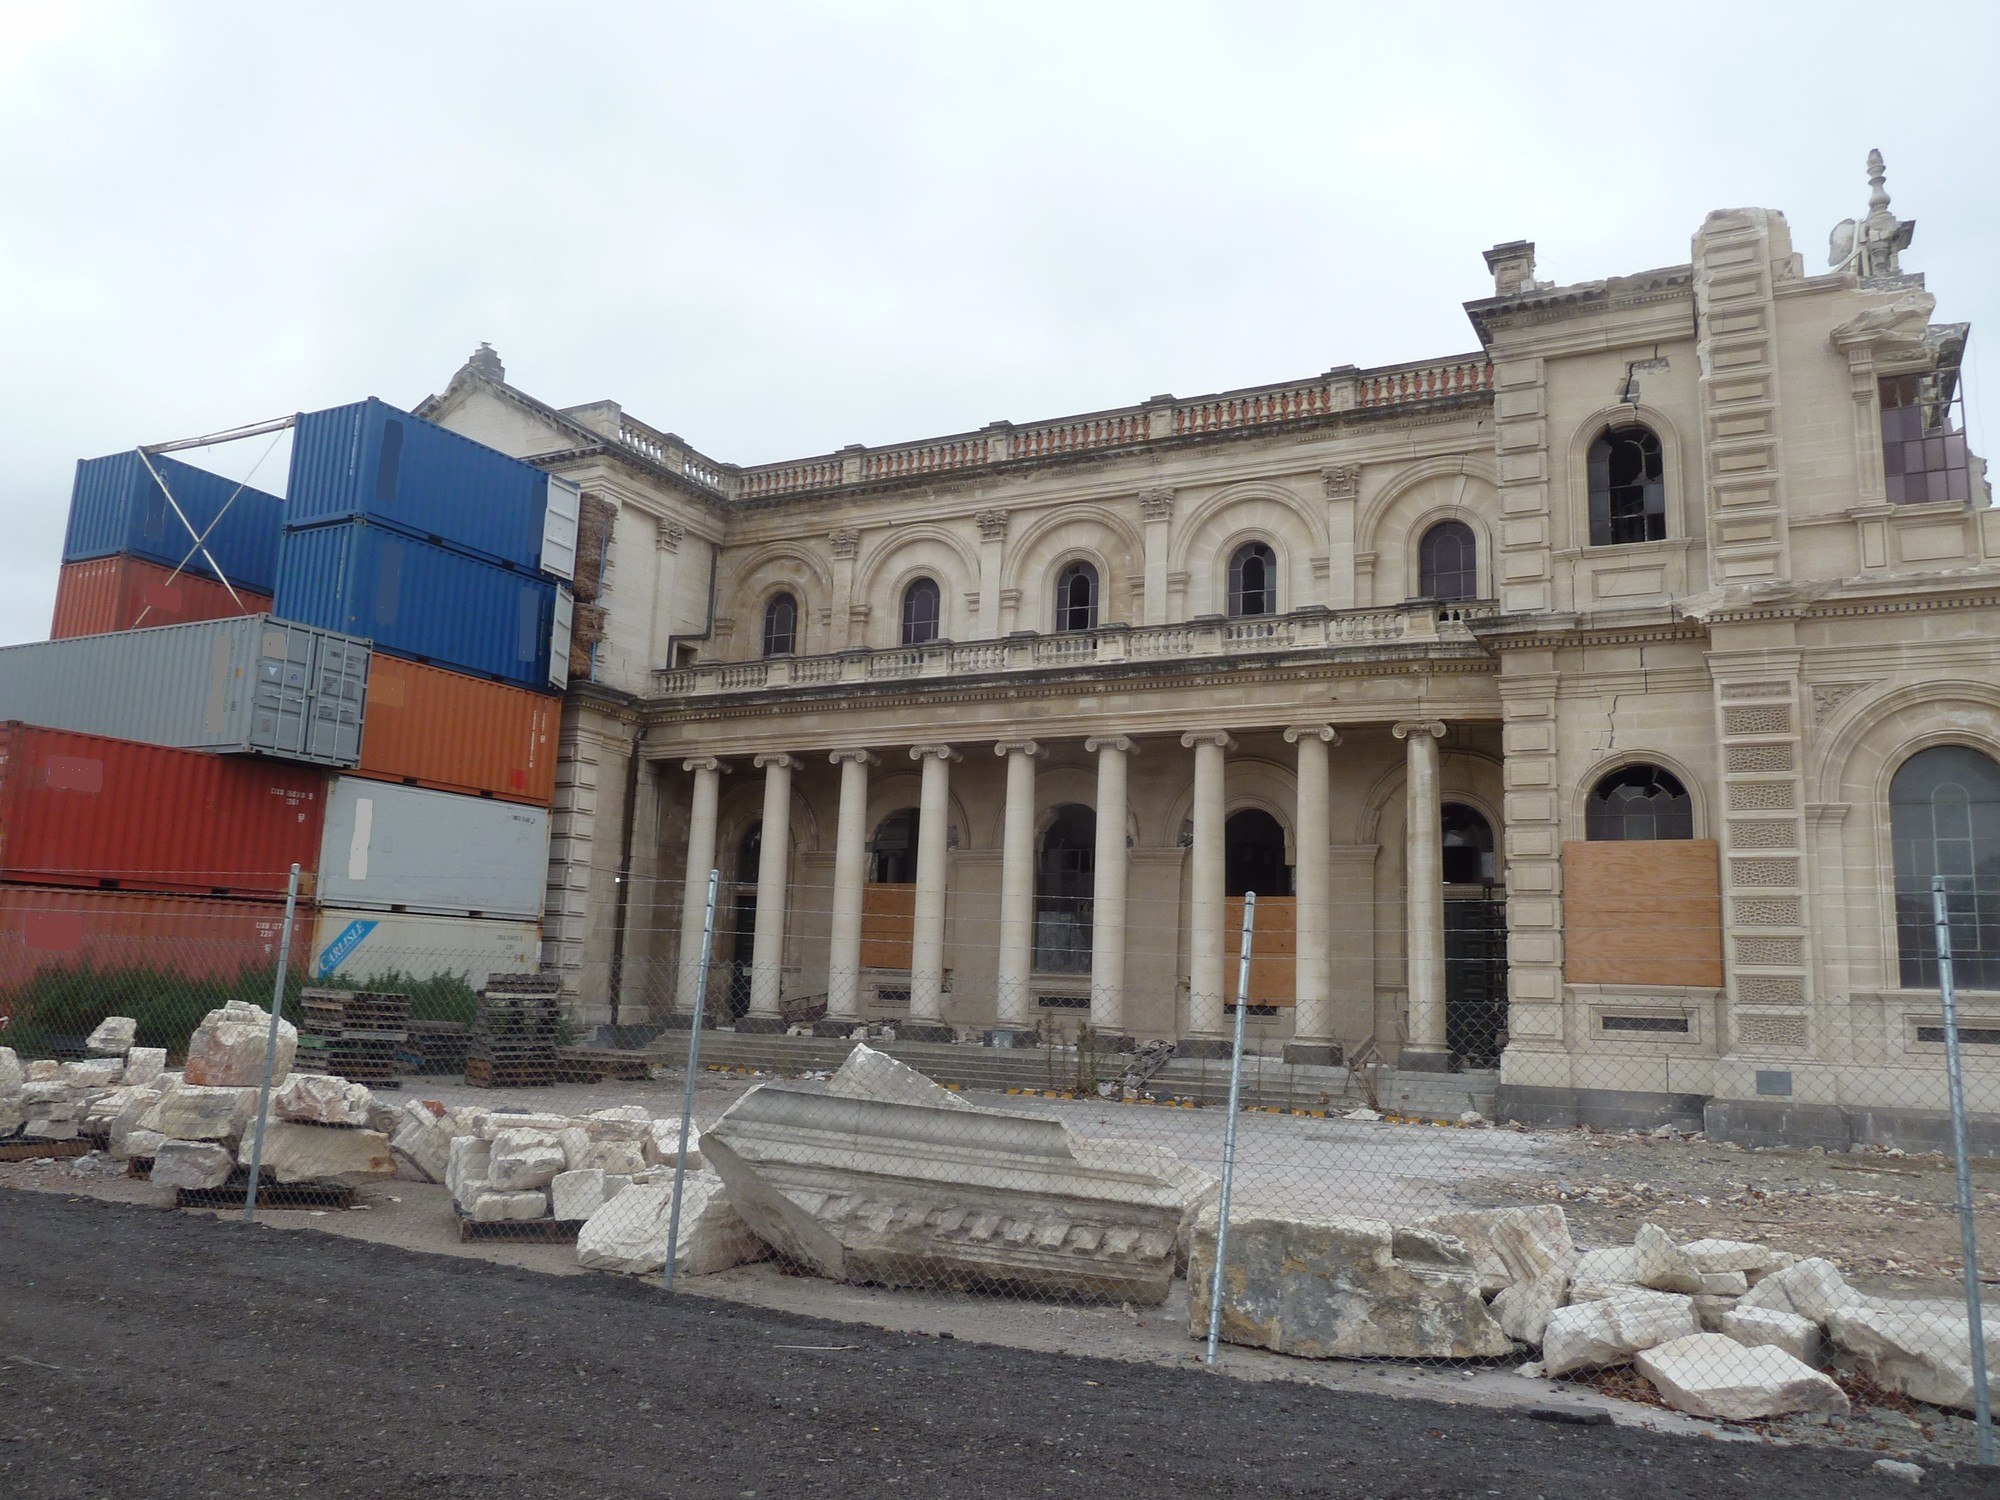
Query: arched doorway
{"type": "Point", "coordinates": [1475, 940]}
{"type": "Point", "coordinates": [1065, 882]}
{"type": "Point", "coordinates": [749, 860]}
{"type": "Point", "coordinates": [889, 901]}
{"type": "Point", "coordinates": [1253, 854]}
{"type": "Point", "coordinates": [1253, 859]}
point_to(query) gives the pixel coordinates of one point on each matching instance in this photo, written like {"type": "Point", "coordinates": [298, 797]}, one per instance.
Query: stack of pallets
{"type": "Point", "coordinates": [355, 1034]}
{"type": "Point", "coordinates": [436, 1047]}
{"type": "Point", "coordinates": [514, 1038]}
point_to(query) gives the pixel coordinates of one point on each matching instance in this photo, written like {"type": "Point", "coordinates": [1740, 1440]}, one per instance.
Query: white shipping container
{"type": "Point", "coordinates": [365, 945]}
{"type": "Point", "coordinates": [404, 848]}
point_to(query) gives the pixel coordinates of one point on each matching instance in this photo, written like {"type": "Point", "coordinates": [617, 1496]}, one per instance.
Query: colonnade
{"type": "Point", "coordinates": [1210, 946]}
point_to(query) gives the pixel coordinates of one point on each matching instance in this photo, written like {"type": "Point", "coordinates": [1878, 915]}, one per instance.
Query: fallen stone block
{"type": "Point", "coordinates": [1620, 1263]}
{"type": "Point", "coordinates": [1711, 1375]}
{"type": "Point", "coordinates": [321, 1099]}
{"type": "Point", "coordinates": [294, 1152]}
{"type": "Point", "coordinates": [142, 1144]}
{"type": "Point", "coordinates": [1813, 1289]}
{"type": "Point", "coordinates": [13, 1073]}
{"type": "Point", "coordinates": [227, 1048]}
{"type": "Point", "coordinates": [40, 1093]}
{"type": "Point", "coordinates": [524, 1161]}
{"type": "Point", "coordinates": [868, 1074]}
{"type": "Point", "coordinates": [1662, 1264]}
{"type": "Point", "coordinates": [1331, 1287]}
{"type": "Point", "coordinates": [627, 1158]}
{"type": "Point", "coordinates": [94, 1073]}
{"type": "Point", "coordinates": [42, 1128]}
{"type": "Point", "coordinates": [491, 1124]}
{"type": "Point", "coordinates": [631, 1114]}
{"type": "Point", "coordinates": [113, 1037]}
{"type": "Point", "coordinates": [42, 1070]}
{"type": "Point", "coordinates": [629, 1233]}
{"type": "Point", "coordinates": [1755, 1326]}
{"type": "Point", "coordinates": [13, 1115]}
{"type": "Point", "coordinates": [1523, 1310]}
{"type": "Point", "coordinates": [1598, 1334]}
{"type": "Point", "coordinates": [1508, 1245]}
{"type": "Point", "coordinates": [100, 1109]}
{"type": "Point", "coordinates": [881, 1190]}
{"type": "Point", "coordinates": [144, 1065]}
{"type": "Point", "coordinates": [575, 1142]}
{"type": "Point", "coordinates": [422, 1140]}
{"type": "Point", "coordinates": [497, 1206]}
{"type": "Point", "coordinates": [193, 1165]}
{"type": "Point", "coordinates": [199, 1113]}
{"type": "Point", "coordinates": [1736, 1255]}
{"type": "Point", "coordinates": [1709, 1310]}
{"type": "Point", "coordinates": [467, 1163]}
{"type": "Point", "coordinates": [1924, 1352]}
{"type": "Point", "coordinates": [662, 1145]}
{"type": "Point", "coordinates": [1602, 1291]}
{"type": "Point", "coordinates": [582, 1192]}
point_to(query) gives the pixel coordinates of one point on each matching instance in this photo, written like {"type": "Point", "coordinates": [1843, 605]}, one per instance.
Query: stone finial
{"type": "Point", "coordinates": [1513, 267]}
{"type": "Point", "coordinates": [1872, 246]}
{"type": "Point", "coordinates": [485, 361]}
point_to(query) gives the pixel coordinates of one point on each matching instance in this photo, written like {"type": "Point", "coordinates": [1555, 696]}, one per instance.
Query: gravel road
{"type": "Point", "coordinates": [145, 1353]}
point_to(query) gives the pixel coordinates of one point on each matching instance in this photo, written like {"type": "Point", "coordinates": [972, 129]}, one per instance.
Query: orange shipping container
{"type": "Point", "coordinates": [129, 593]}
{"type": "Point", "coordinates": [424, 726]}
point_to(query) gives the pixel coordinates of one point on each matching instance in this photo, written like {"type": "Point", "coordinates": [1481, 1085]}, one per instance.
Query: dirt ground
{"type": "Point", "coordinates": [150, 1354]}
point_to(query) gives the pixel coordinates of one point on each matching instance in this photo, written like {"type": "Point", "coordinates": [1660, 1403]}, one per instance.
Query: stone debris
{"type": "Point", "coordinates": [579, 1193]}
{"type": "Point", "coordinates": [1923, 1352]}
{"type": "Point", "coordinates": [1711, 1375]}
{"type": "Point", "coordinates": [193, 1165]}
{"type": "Point", "coordinates": [42, 1070]}
{"type": "Point", "coordinates": [1508, 1245]}
{"type": "Point", "coordinates": [95, 1073]}
{"type": "Point", "coordinates": [663, 1144]}
{"type": "Point", "coordinates": [422, 1139]}
{"type": "Point", "coordinates": [629, 1233]}
{"type": "Point", "coordinates": [623, 1158]}
{"type": "Point", "coordinates": [492, 1206]}
{"type": "Point", "coordinates": [114, 1037]}
{"type": "Point", "coordinates": [466, 1165]}
{"type": "Point", "coordinates": [1812, 1288]}
{"type": "Point", "coordinates": [227, 1048]}
{"type": "Point", "coordinates": [12, 1072]}
{"type": "Point", "coordinates": [1895, 1468]}
{"type": "Point", "coordinates": [1753, 1326]}
{"type": "Point", "coordinates": [881, 1189]}
{"type": "Point", "coordinates": [1523, 1310]}
{"type": "Point", "coordinates": [1753, 1260]}
{"type": "Point", "coordinates": [196, 1113]}
{"type": "Point", "coordinates": [321, 1099]}
{"type": "Point", "coordinates": [1598, 1334]}
{"type": "Point", "coordinates": [299, 1153]}
{"type": "Point", "coordinates": [524, 1160]}
{"type": "Point", "coordinates": [1618, 1266]}
{"type": "Point", "coordinates": [1330, 1287]}
{"type": "Point", "coordinates": [868, 1074]}
{"type": "Point", "coordinates": [144, 1064]}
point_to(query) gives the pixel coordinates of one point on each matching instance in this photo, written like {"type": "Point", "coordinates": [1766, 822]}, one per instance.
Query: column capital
{"type": "Point", "coordinates": [1432, 727]}
{"type": "Point", "coordinates": [1216, 737]}
{"type": "Point", "coordinates": [1005, 748]}
{"type": "Point", "coordinates": [1123, 743]}
{"type": "Point", "coordinates": [703, 763]}
{"type": "Point", "coordinates": [782, 759]}
{"type": "Point", "coordinates": [938, 752]}
{"type": "Point", "coordinates": [862, 757]}
{"type": "Point", "coordinates": [1325, 733]}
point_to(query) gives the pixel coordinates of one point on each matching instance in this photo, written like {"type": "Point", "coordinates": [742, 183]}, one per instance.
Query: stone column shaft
{"type": "Point", "coordinates": [927, 938]}
{"type": "Point", "coordinates": [1208, 949]}
{"type": "Point", "coordinates": [694, 884]}
{"type": "Point", "coordinates": [850, 873]}
{"type": "Point", "coordinates": [1312, 1015]}
{"type": "Point", "coordinates": [767, 950]}
{"type": "Point", "coordinates": [1423, 876]}
{"type": "Point", "coordinates": [1015, 1008]}
{"type": "Point", "coordinates": [1107, 930]}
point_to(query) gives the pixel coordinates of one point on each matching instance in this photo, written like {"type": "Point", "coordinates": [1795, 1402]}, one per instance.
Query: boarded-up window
{"type": "Point", "coordinates": [1274, 947]}
{"type": "Point", "coordinates": [1647, 913]}
{"type": "Point", "coordinates": [888, 922]}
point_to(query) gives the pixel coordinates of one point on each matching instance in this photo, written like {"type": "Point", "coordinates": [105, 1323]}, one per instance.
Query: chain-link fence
{"type": "Point", "coordinates": [874, 1110]}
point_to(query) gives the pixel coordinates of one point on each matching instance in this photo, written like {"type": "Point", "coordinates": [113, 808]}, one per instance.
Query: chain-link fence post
{"type": "Point", "coordinates": [271, 1044]}
{"type": "Point", "coordinates": [1962, 1167]}
{"type": "Point", "coordinates": [694, 1062]}
{"type": "Point", "coordinates": [1229, 1129]}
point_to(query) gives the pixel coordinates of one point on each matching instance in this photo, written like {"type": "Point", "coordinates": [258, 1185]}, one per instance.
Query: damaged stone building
{"type": "Point", "coordinates": [1595, 705]}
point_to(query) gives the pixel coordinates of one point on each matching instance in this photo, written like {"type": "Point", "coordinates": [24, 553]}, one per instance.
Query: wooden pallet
{"type": "Point", "coordinates": [520, 1231]}
{"type": "Point", "coordinates": [140, 1167]}
{"type": "Point", "coordinates": [269, 1195]}
{"type": "Point", "coordinates": [485, 1073]}
{"type": "Point", "coordinates": [602, 1065]}
{"type": "Point", "coordinates": [37, 1150]}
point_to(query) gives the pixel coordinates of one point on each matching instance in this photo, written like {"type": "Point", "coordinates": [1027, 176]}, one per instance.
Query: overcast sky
{"type": "Point", "coordinates": [775, 229]}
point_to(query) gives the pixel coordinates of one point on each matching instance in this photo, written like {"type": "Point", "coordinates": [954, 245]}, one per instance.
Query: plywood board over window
{"type": "Point", "coordinates": [888, 923]}
{"type": "Point", "coordinates": [1643, 913]}
{"type": "Point", "coordinates": [1274, 947]}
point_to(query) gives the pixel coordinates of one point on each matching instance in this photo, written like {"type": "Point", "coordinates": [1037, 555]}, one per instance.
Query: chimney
{"type": "Point", "coordinates": [1513, 267]}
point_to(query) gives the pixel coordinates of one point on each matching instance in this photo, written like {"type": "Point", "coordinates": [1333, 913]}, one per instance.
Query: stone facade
{"type": "Point", "coordinates": [1663, 525]}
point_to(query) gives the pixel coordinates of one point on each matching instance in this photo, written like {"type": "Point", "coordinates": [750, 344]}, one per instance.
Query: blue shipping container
{"type": "Point", "coordinates": [372, 462]}
{"type": "Point", "coordinates": [426, 602]}
{"type": "Point", "coordinates": [116, 507]}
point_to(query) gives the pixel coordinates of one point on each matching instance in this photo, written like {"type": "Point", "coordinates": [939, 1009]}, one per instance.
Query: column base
{"type": "Point", "coordinates": [1314, 1054]}
{"type": "Point", "coordinates": [837, 1026]}
{"type": "Point", "coordinates": [1204, 1046]}
{"type": "Point", "coordinates": [924, 1031]}
{"type": "Point", "coordinates": [760, 1025]}
{"type": "Point", "coordinates": [1013, 1036]}
{"type": "Point", "coordinates": [1424, 1060]}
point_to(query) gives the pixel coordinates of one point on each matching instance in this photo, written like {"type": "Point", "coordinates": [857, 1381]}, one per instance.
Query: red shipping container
{"type": "Point", "coordinates": [425, 726]}
{"type": "Point", "coordinates": [129, 593]}
{"type": "Point", "coordinates": [46, 929]}
{"type": "Point", "coordinates": [81, 809]}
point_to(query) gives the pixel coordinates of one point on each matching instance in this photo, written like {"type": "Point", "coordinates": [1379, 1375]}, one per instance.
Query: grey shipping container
{"type": "Point", "coordinates": [253, 685]}
{"type": "Point", "coordinates": [405, 848]}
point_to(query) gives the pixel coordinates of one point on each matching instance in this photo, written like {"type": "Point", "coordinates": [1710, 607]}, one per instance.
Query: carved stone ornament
{"type": "Point", "coordinates": [1156, 504]}
{"type": "Point", "coordinates": [1342, 481]}
{"type": "Point", "coordinates": [1872, 247]}
{"type": "Point", "coordinates": [845, 542]}
{"type": "Point", "coordinates": [668, 535]}
{"type": "Point", "coordinates": [992, 525]}
{"type": "Point", "coordinates": [1828, 696]}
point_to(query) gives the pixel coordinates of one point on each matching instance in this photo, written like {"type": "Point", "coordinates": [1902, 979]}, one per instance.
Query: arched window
{"type": "Point", "coordinates": [1628, 496]}
{"type": "Point", "coordinates": [1253, 854]}
{"type": "Point", "coordinates": [1076, 597]}
{"type": "Point", "coordinates": [1944, 819]}
{"type": "Point", "coordinates": [1065, 882]}
{"type": "Point", "coordinates": [1468, 845]}
{"type": "Point", "coordinates": [1448, 562]}
{"type": "Point", "coordinates": [1637, 803]}
{"type": "Point", "coordinates": [1253, 581]}
{"type": "Point", "coordinates": [893, 850]}
{"type": "Point", "coordinates": [922, 610]}
{"type": "Point", "coordinates": [781, 625]}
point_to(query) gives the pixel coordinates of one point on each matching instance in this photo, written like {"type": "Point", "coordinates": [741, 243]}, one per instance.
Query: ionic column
{"type": "Point", "coordinates": [1017, 887]}
{"type": "Point", "coordinates": [850, 873]}
{"type": "Point", "coordinates": [1107, 906]}
{"type": "Point", "coordinates": [1207, 943]}
{"type": "Point", "coordinates": [767, 949]}
{"type": "Point", "coordinates": [1312, 985]}
{"type": "Point", "coordinates": [927, 939]}
{"type": "Point", "coordinates": [1423, 898]}
{"type": "Point", "coordinates": [694, 883]}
